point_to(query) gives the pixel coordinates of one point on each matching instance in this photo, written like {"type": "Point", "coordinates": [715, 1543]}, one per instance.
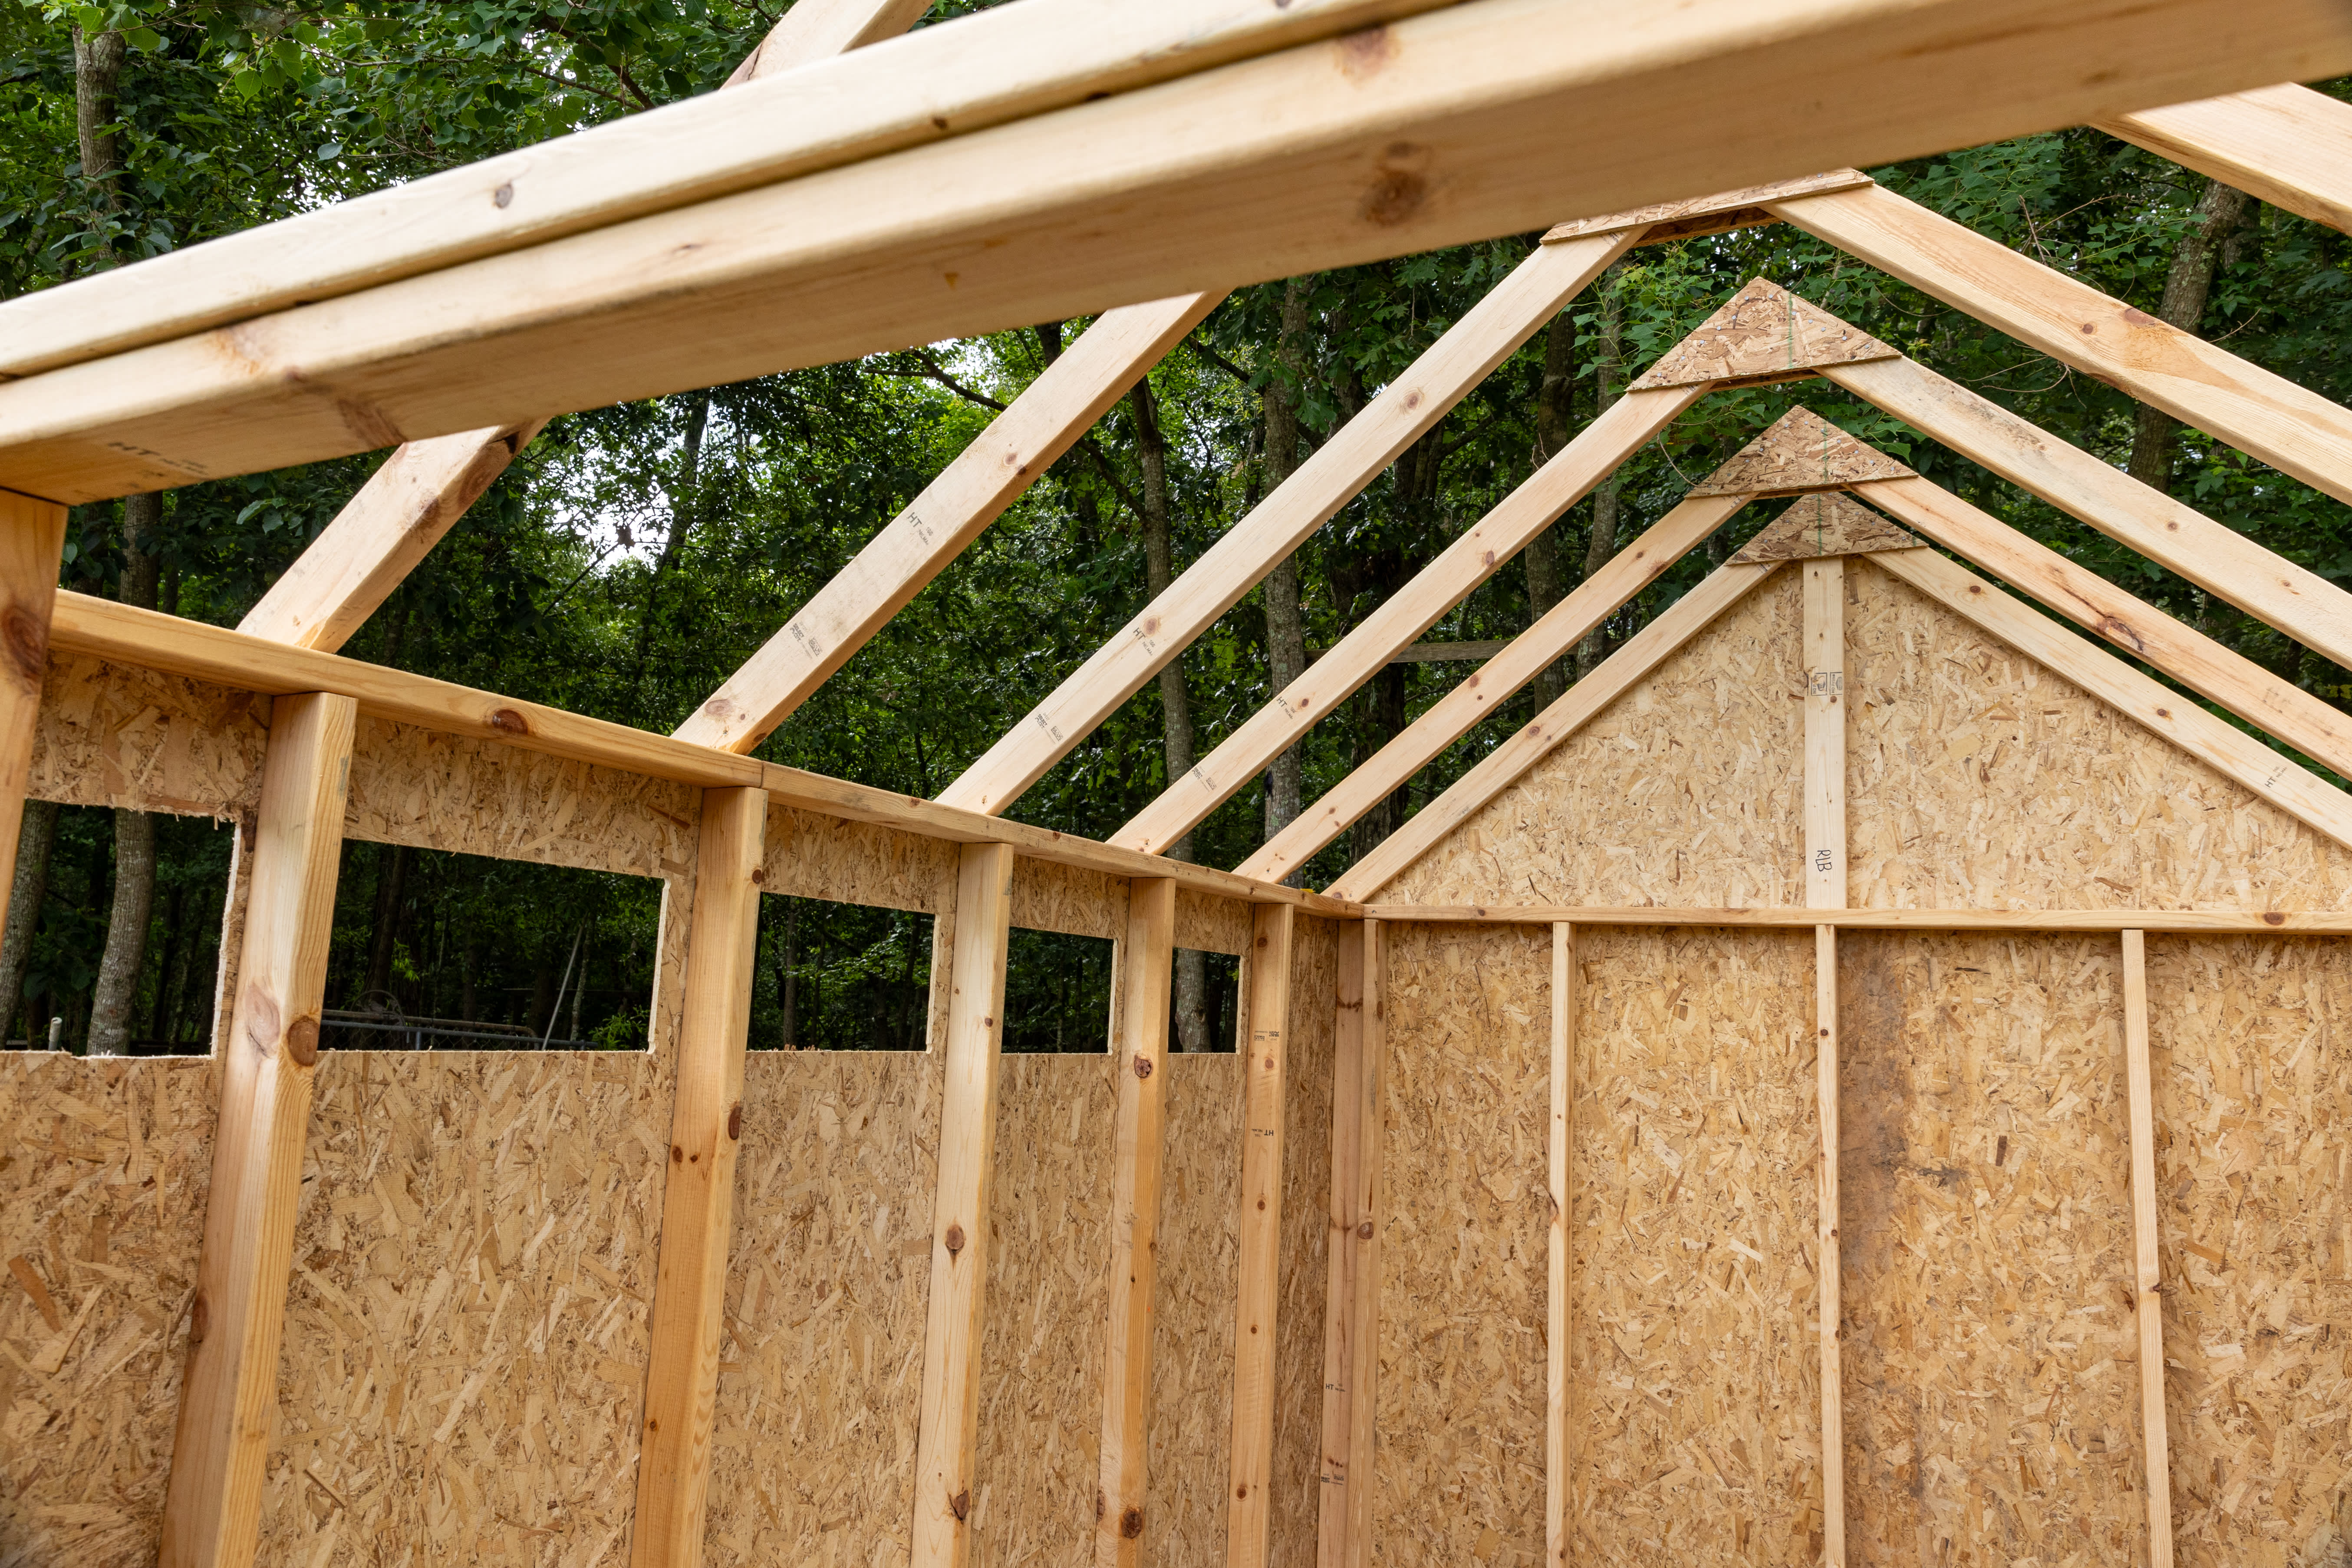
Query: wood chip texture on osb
{"type": "Point", "coordinates": [1199, 1260]}
{"type": "Point", "coordinates": [466, 1333]}
{"type": "Point", "coordinates": [1799, 451]}
{"type": "Point", "coordinates": [1816, 526]}
{"type": "Point", "coordinates": [108, 735]}
{"type": "Point", "coordinates": [821, 1372]}
{"type": "Point", "coordinates": [103, 1176]}
{"type": "Point", "coordinates": [1303, 1285]}
{"type": "Point", "coordinates": [1763, 334]}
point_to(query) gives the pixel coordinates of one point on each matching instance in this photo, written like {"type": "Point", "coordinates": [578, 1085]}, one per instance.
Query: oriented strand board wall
{"type": "Point", "coordinates": [1464, 1216]}
{"type": "Point", "coordinates": [2253, 1069]}
{"type": "Point", "coordinates": [1991, 1393]}
{"type": "Point", "coordinates": [1695, 1407]}
{"type": "Point", "coordinates": [821, 1375]}
{"type": "Point", "coordinates": [1041, 1354]}
{"type": "Point", "coordinates": [812, 856]}
{"type": "Point", "coordinates": [466, 1335]}
{"type": "Point", "coordinates": [103, 1176]}
{"type": "Point", "coordinates": [1191, 1433]}
{"type": "Point", "coordinates": [109, 735]}
{"type": "Point", "coordinates": [1683, 792]}
{"type": "Point", "coordinates": [1302, 1286]}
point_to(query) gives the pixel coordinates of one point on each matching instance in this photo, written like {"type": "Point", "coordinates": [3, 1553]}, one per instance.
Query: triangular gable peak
{"type": "Point", "coordinates": [1825, 524]}
{"type": "Point", "coordinates": [1801, 452]}
{"type": "Point", "coordinates": [1763, 334]}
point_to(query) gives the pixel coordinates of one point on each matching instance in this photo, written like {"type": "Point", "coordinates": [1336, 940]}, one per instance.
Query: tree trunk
{"type": "Point", "coordinates": [1175, 702]}
{"type": "Point", "coordinates": [1285, 626]}
{"type": "Point", "coordinates": [1608, 387]}
{"type": "Point", "coordinates": [31, 885]}
{"type": "Point", "coordinates": [2220, 213]}
{"type": "Point", "coordinates": [788, 977]}
{"type": "Point", "coordinates": [1554, 400]}
{"type": "Point", "coordinates": [125, 957]}
{"type": "Point", "coordinates": [682, 498]}
{"type": "Point", "coordinates": [391, 871]}
{"type": "Point", "coordinates": [98, 74]}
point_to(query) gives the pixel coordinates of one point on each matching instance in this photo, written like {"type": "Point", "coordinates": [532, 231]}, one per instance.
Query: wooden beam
{"type": "Point", "coordinates": [1831, 1304]}
{"type": "Point", "coordinates": [1475, 555]}
{"type": "Point", "coordinates": [698, 1193]}
{"type": "Point", "coordinates": [32, 541]}
{"type": "Point", "coordinates": [1687, 219]}
{"type": "Point", "coordinates": [969, 494]}
{"type": "Point", "coordinates": [228, 1398]}
{"type": "Point", "coordinates": [2139, 630]}
{"type": "Point", "coordinates": [2286, 145]}
{"type": "Point", "coordinates": [1406, 409]}
{"type": "Point", "coordinates": [145, 640]}
{"type": "Point", "coordinates": [2266, 923]}
{"type": "Point", "coordinates": [2223, 746]}
{"type": "Point", "coordinates": [1527, 655]}
{"type": "Point", "coordinates": [1437, 129]}
{"type": "Point", "coordinates": [1138, 1143]}
{"type": "Point", "coordinates": [1823, 873]}
{"type": "Point", "coordinates": [2147, 1264]}
{"type": "Point", "coordinates": [948, 1435]}
{"type": "Point", "coordinates": [1352, 1349]}
{"type": "Point", "coordinates": [1258, 1299]}
{"type": "Point", "coordinates": [2296, 431]}
{"type": "Point", "coordinates": [1559, 1440]}
{"type": "Point", "coordinates": [2298, 602]}
{"type": "Point", "coordinates": [819, 29]}
{"type": "Point", "coordinates": [1618, 673]}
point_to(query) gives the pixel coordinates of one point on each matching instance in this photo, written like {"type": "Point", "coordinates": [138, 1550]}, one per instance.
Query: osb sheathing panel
{"type": "Point", "coordinates": [108, 735]}
{"type": "Point", "coordinates": [466, 1333]}
{"type": "Point", "coordinates": [1210, 924]}
{"type": "Point", "coordinates": [1040, 1356]}
{"type": "Point", "coordinates": [1067, 898]}
{"type": "Point", "coordinates": [812, 856]}
{"type": "Point", "coordinates": [821, 1372]}
{"type": "Point", "coordinates": [1686, 791]}
{"type": "Point", "coordinates": [1191, 1431]}
{"type": "Point", "coordinates": [1302, 1283]}
{"type": "Point", "coordinates": [1976, 778]}
{"type": "Point", "coordinates": [1991, 1392]}
{"type": "Point", "coordinates": [2252, 1048]}
{"type": "Point", "coordinates": [102, 1188]}
{"type": "Point", "coordinates": [1464, 1215]}
{"type": "Point", "coordinates": [1695, 1407]}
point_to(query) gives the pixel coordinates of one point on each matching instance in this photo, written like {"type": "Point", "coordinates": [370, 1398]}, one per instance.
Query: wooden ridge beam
{"type": "Point", "coordinates": [2147, 1260]}
{"type": "Point", "coordinates": [32, 541]}
{"type": "Point", "coordinates": [1351, 1358]}
{"type": "Point", "coordinates": [2181, 651]}
{"type": "Point", "coordinates": [2266, 923]}
{"type": "Point", "coordinates": [1475, 555]}
{"type": "Point", "coordinates": [145, 639]}
{"type": "Point", "coordinates": [1529, 655]}
{"type": "Point", "coordinates": [969, 494]}
{"type": "Point", "coordinates": [2296, 431]}
{"type": "Point", "coordinates": [689, 1305]}
{"type": "Point", "coordinates": [1617, 674]}
{"type": "Point", "coordinates": [228, 1398]}
{"type": "Point", "coordinates": [1488, 334]}
{"type": "Point", "coordinates": [837, 235]}
{"type": "Point", "coordinates": [2275, 591]}
{"type": "Point", "coordinates": [2228, 750]}
{"type": "Point", "coordinates": [1257, 1297]}
{"type": "Point", "coordinates": [2285, 145]}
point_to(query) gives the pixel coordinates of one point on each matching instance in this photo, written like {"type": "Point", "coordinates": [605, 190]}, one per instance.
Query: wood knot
{"type": "Point", "coordinates": [960, 1504]}
{"type": "Point", "coordinates": [677, 1156]}
{"type": "Point", "coordinates": [200, 1318]}
{"type": "Point", "coordinates": [954, 1239]}
{"type": "Point", "coordinates": [302, 1041]}
{"type": "Point", "coordinates": [735, 1122]}
{"type": "Point", "coordinates": [1242, 1491]}
{"type": "Point", "coordinates": [2272, 918]}
{"type": "Point", "coordinates": [760, 877]}
{"type": "Point", "coordinates": [28, 644]}
{"type": "Point", "coordinates": [1142, 1066]}
{"type": "Point", "coordinates": [506, 722]}
{"type": "Point", "coordinates": [1130, 1523]}
{"type": "Point", "coordinates": [1364, 1231]}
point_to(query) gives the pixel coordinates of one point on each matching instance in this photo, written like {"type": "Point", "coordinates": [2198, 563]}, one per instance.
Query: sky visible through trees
{"type": "Point", "coordinates": [635, 556]}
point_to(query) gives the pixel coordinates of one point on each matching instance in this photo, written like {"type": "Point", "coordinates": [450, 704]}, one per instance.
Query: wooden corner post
{"type": "Point", "coordinates": [1825, 889]}
{"type": "Point", "coordinates": [228, 1399]}
{"type": "Point", "coordinates": [2147, 1263]}
{"type": "Point", "coordinates": [1558, 1435]}
{"type": "Point", "coordinates": [950, 1410]}
{"type": "Point", "coordinates": [1351, 1334]}
{"type": "Point", "coordinates": [699, 1195]}
{"type": "Point", "coordinates": [1264, 1072]}
{"type": "Point", "coordinates": [1148, 969]}
{"type": "Point", "coordinates": [32, 537]}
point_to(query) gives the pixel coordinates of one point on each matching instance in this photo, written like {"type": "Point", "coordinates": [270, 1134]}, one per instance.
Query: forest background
{"type": "Point", "coordinates": [635, 556]}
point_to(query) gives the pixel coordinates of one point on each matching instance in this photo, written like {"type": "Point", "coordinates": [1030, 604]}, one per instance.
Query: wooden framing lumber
{"type": "Point", "coordinates": [819, 29]}
{"type": "Point", "coordinates": [2298, 602]}
{"type": "Point", "coordinates": [698, 1192]}
{"type": "Point", "coordinates": [2296, 431]}
{"type": "Point", "coordinates": [2223, 746]}
{"type": "Point", "coordinates": [969, 494]}
{"type": "Point", "coordinates": [1435, 130]}
{"type": "Point", "coordinates": [1824, 872]}
{"type": "Point", "coordinates": [1138, 1144]}
{"type": "Point", "coordinates": [1407, 408]}
{"type": "Point", "coordinates": [947, 1436]}
{"type": "Point", "coordinates": [2286, 145]}
{"type": "Point", "coordinates": [1477, 555]}
{"type": "Point", "coordinates": [1257, 1297]}
{"type": "Point", "coordinates": [1831, 1305]}
{"type": "Point", "coordinates": [1525, 656]}
{"type": "Point", "coordinates": [2148, 1267]}
{"type": "Point", "coordinates": [1797, 452]}
{"type": "Point", "coordinates": [1617, 674]}
{"type": "Point", "coordinates": [1823, 877]}
{"type": "Point", "coordinates": [1719, 214]}
{"type": "Point", "coordinates": [2210, 922]}
{"type": "Point", "coordinates": [1351, 1357]}
{"type": "Point", "coordinates": [1558, 1320]}
{"type": "Point", "coordinates": [32, 539]}
{"type": "Point", "coordinates": [143, 639]}
{"type": "Point", "coordinates": [2140, 629]}
{"type": "Point", "coordinates": [229, 1400]}
{"type": "Point", "coordinates": [1760, 335]}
